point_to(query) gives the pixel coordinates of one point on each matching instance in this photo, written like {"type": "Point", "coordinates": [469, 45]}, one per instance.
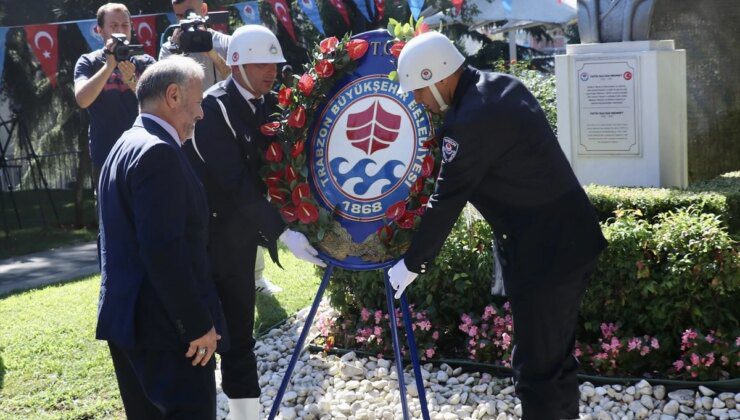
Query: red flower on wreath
{"type": "Point", "coordinates": [270, 129]}
{"type": "Point", "coordinates": [423, 200]}
{"type": "Point", "coordinates": [385, 234]}
{"type": "Point", "coordinates": [307, 213]}
{"type": "Point", "coordinates": [291, 174]}
{"type": "Point", "coordinates": [429, 144]}
{"type": "Point", "coordinates": [276, 196]}
{"type": "Point", "coordinates": [328, 45]}
{"type": "Point", "coordinates": [421, 29]}
{"type": "Point", "coordinates": [297, 118]}
{"type": "Point", "coordinates": [397, 47]}
{"type": "Point", "coordinates": [289, 213]}
{"type": "Point", "coordinates": [417, 186]}
{"type": "Point", "coordinates": [395, 211]}
{"type": "Point", "coordinates": [285, 97]}
{"type": "Point", "coordinates": [274, 152]}
{"type": "Point", "coordinates": [356, 48]}
{"type": "Point", "coordinates": [297, 148]}
{"type": "Point", "coordinates": [305, 84]}
{"type": "Point", "coordinates": [419, 211]}
{"type": "Point", "coordinates": [406, 221]}
{"type": "Point", "coordinates": [300, 192]}
{"type": "Point", "coordinates": [324, 69]}
{"type": "Point", "coordinates": [427, 166]}
{"type": "Point", "coordinates": [273, 179]}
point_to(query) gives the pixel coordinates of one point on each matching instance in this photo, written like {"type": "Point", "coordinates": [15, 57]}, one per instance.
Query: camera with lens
{"type": "Point", "coordinates": [123, 50]}
{"type": "Point", "coordinates": [194, 34]}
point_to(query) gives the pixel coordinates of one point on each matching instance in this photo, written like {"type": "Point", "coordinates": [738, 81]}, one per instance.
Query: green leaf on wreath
{"type": "Point", "coordinates": [418, 23]}
{"type": "Point", "coordinates": [393, 75]}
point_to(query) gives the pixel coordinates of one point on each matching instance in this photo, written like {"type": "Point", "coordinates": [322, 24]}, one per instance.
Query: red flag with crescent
{"type": "Point", "coordinates": [380, 8]}
{"type": "Point", "coordinates": [341, 9]}
{"type": "Point", "coordinates": [458, 5]}
{"type": "Point", "coordinates": [145, 28]}
{"type": "Point", "coordinates": [282, 11]}
{"type": "Point", "coordinates": [43, 42]}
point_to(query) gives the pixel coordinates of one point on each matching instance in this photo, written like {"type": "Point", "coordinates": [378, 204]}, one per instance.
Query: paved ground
{"type": "Point", "coordinates": [48, 267]}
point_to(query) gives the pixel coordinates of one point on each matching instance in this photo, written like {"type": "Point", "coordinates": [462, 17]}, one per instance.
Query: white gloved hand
{"type": "Point", "coordinates": [299, 246]}
{"type": "Point", "coordinates": [400, 277]}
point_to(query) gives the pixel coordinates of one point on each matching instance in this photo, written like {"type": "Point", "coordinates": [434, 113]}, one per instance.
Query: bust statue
{"type": "Point", "coordinates": [614, 20]}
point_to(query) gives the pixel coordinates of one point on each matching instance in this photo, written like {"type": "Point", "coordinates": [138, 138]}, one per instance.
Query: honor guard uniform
{"type": "Point", "coordinates": [227, 150]}
{"type": "Point", "coordinates": [500, 154]}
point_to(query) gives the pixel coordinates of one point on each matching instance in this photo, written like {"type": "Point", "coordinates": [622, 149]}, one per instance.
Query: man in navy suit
{"type": "Point", "coordinates": [158, 306]}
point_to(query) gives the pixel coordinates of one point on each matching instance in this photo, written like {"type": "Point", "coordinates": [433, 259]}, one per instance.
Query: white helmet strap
{"type": "Point", "coordinates": [246, 79]}
{"type": "Point", "coordinates": [438, 97]}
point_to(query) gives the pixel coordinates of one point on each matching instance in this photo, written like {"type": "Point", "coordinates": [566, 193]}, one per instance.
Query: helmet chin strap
{"type": "Point", "coordinates": [246, 80]}
{"type": "Point", "coordinates": [438, 97]}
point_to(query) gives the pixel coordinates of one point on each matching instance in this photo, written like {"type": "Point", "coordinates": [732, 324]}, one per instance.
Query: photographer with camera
{"type": "Point", "coordinates": [105, 82]}
{"type": "Point", "coordinates": [194, 39]}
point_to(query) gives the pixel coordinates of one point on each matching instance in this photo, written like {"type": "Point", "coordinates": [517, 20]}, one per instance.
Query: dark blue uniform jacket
{"type": "Point", "coordinates": [503, 158]}
{"type": "Point", "coordinates": [229, 165]}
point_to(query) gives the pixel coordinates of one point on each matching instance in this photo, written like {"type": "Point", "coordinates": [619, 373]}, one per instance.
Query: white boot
{"type": "Point", "coordinates": [244, 409]}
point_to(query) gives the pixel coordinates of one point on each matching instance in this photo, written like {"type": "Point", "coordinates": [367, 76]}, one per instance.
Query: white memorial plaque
{"type": "Point", "coordinates": [608, 111]}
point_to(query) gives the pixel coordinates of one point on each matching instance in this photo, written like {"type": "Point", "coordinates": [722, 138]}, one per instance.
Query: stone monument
{"type": "Point", "coordinates": [621, 99]}
{"type": "Point", "coordinates": [614, 20]}
{"type": "Point", "coordinates": [709, 32]}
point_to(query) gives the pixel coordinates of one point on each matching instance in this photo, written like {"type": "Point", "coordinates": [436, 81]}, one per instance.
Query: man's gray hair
{"type": "Point", "coordinates": [157, 77]}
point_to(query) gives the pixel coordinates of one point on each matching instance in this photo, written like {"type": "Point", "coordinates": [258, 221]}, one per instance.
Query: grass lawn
{"type": "Point", "coordinates": [52, 367]}
{"type": "Point", "coordinates": [35, 235]}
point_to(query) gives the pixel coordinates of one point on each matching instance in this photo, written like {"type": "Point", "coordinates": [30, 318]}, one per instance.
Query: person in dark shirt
{"type": "Point", "coordinates": [106, 88]}
{"type": "Point", "coordinates": [500, 154]}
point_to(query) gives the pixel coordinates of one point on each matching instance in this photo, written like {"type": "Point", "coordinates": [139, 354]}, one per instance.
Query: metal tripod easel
{"type": "Point", "coordinates": [394, 333]}
{"type": "Point", "coordinates": [16, 125]}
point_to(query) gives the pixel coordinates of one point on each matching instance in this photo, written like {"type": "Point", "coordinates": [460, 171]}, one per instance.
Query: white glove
{"type": "Point", "coordinates": [400, 277]}
{"type": "Point", "coordinates": [299, 246]}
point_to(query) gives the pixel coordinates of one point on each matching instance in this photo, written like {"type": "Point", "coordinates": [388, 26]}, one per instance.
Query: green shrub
{"type": "Point", "coordinates": [653, 201]}
{"type": "Point", "coordinates": [720, 196]}
{"type": "Point", "coordinates": [661, 278]}
{"type": "Point", "coordinates": [674, 271]}
{"type": "Point", "coordinates": [727, 185]}
{"type": "Point", "coordinates": [458, 281]}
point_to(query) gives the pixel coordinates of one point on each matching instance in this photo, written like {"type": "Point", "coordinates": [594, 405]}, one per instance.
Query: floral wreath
{"type": "Point", "coordinates": [285, 170]}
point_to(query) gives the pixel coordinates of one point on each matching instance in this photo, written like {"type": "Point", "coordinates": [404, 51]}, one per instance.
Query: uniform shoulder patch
{"type": "Point", "coordinates": [449, 149]}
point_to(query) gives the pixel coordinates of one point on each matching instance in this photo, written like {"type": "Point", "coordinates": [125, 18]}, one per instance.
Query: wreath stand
{"type": "Point", "coordinates": [394, 333]}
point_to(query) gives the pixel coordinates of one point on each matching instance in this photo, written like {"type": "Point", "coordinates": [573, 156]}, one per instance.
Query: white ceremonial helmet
{"type": "Point", "coordinates": [425, 60]}
{"type": "Point", "coordinates": [254, 44]}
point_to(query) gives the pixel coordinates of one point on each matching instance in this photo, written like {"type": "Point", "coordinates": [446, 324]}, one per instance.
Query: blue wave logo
{"type": "Point", "coordinates": [385, 174]}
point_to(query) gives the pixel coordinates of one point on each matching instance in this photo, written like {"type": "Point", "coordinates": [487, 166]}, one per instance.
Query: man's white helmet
{"type": "Point", "coordinates": [254, 44]}
{"type": "Point", "coordinates": [426, 60]}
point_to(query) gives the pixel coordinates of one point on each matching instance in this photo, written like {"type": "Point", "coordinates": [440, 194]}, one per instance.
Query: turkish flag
{"type": "Point", "coordinates": [458, 5]}
{"type": "Point", "coordinates": [43, 41]}
{"type": "Point", "coordinates": [282, 11]}
{"type": "Point", "coordinates": [145, 29]}
{"type": "Point", "coordinates": [342, 10]}
{"type": "Point", "coordinates": [380, 7]}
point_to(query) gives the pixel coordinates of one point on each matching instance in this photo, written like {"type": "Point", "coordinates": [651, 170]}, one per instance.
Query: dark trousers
{"type": "Point", "coordinates": [160, 384]}
{"type": "Point", "coordinates": [545, 319]}
{"type": "Point", "coordinates": [232, 247]}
